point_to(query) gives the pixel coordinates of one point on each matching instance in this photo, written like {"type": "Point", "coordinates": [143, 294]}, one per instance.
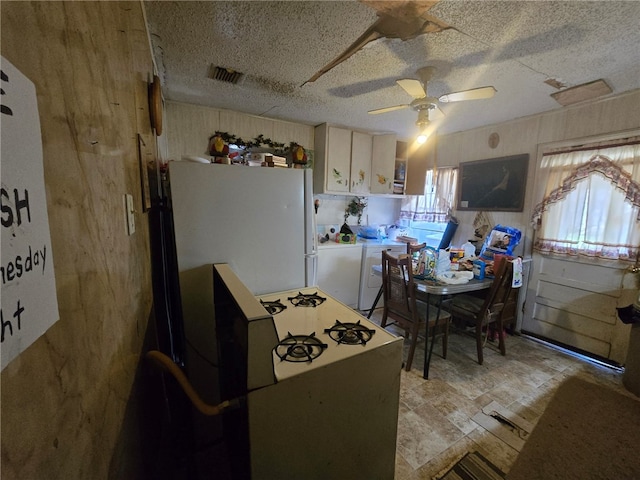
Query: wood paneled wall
{"type": "Point", "coordinates": [190, 126]}
{"type": "Point", "coordinates": [64, 398]}
{"type": "Point", "coordinates": [525, 135]}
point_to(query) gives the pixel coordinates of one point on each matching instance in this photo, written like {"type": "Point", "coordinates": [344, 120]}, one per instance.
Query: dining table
{"type": "Point", "coordinates": [432, 291]}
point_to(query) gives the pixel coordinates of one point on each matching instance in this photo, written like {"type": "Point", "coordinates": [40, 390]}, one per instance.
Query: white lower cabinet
{"type": "Point", "coordinates": [339, 271]}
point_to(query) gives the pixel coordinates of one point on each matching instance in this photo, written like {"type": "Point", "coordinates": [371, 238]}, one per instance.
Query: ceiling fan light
{"type": "Point", "coordinates": [425, 131]}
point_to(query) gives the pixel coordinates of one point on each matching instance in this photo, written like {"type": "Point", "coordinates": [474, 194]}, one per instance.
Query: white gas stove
{"type": "Point", "coordinates": [315, 330]}
{"type": "Point", "coordinates": [321, 382]}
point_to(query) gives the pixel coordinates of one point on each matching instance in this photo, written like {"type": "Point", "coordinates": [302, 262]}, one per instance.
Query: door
{"type": "Point", "coordinates": [574, 303]}
{"type": "Point", "coordinates": [584, 209]}
{"type": "Point", "coordinates": [257, 229]}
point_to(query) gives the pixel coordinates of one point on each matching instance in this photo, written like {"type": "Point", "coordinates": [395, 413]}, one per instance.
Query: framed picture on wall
{"type": "Point", "coordinates": [496, 184]}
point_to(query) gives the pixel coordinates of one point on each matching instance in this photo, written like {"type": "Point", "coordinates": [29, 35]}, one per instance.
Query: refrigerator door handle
{"type": "Point", "coordinates": [311, 240]}
{"type": "Point", "coordinates": [311, 270]}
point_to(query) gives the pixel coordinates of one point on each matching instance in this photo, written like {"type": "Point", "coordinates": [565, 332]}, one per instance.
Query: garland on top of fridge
{"type": "Point", "coordinates": [259, 141]}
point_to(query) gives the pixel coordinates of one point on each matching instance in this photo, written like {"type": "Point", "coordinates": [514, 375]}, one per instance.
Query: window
{"type": "Point", "coordinates": [438, 198]}
{"type": "Point", "coordinates": [591, 201]}
{"type": "Point", "coordinates": [428, 214]}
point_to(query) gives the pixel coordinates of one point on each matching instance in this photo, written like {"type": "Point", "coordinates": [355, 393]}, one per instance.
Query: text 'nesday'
{"type": "Point", "coordinates": [13, 216]}
{"type": "Point", "coordinates": [20, 265]}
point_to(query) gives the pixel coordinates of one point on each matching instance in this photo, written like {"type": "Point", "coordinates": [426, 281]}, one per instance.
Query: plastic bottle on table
{"type": "Point", "coordinates": [469, 249]}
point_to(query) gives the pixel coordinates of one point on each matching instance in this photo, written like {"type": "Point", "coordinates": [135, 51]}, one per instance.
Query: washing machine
{"type": "Point", "coordinates": [369, 282]}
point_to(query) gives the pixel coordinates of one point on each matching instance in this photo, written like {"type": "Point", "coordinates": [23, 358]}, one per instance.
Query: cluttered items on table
{"type": "Point", "coordinates": [498, 245]}
{"type": "Point", "coordinates": [436, 266]}
{"type": "Point", "coordinates": [459, 265]}
{"type": "Point", "coordinates": [425, 265]}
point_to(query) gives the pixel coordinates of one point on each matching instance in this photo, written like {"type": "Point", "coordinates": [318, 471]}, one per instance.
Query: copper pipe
{"type": "Point", "coordinates": [168, 365]}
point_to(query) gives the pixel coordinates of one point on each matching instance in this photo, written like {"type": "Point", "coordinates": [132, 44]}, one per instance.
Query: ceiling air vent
{"type": "Point", "coordinates": [580, 93]}
{"type": "Point", "coordinates": [226, 75]}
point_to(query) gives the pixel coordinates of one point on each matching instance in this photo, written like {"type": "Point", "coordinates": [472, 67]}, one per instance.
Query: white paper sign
{"type": "Point", "coordinates": [29, 303]}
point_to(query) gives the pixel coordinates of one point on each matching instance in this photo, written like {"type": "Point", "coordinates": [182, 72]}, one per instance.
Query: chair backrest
{"type": "Point", "coordinates": [398, 286]}
{"type": "Point", "coordinates": [499, 292]}
{"type": "Point", "coordinates": [510, 301]}
{"type": "Point", "coordinates": [415, 247]}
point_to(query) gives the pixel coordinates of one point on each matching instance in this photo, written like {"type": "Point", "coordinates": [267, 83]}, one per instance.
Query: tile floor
{"type": "Point", "coordinates": [435, 426]}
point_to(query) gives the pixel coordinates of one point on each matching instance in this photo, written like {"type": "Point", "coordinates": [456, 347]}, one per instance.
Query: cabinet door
{"type": "Point", "coordinates": [361, 146]}
{"type": "Point", "coordinates": [339, 273]}
{"type": "Point", "coordinates": [383, 163]}
{"type": "Point", "coordinates": [338, 159]}
{"type": "Point", "coordinates": [419, 161]}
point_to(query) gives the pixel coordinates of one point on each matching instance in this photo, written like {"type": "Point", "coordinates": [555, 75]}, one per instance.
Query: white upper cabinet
{"type": "Point", "coordinates": [383, 163]}
{"type": "Point", "coordinates": [361, 145]}
{"type": "Point", "coordinates": [355, 162]}
{"type": "Point", "coordinates": [342, 161]}
{"type": "Point", "coordinates": [332, 160]}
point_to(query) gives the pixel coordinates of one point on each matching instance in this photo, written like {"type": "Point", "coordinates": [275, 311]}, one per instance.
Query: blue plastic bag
{"type": "Point", "coordinates": [501, 239]}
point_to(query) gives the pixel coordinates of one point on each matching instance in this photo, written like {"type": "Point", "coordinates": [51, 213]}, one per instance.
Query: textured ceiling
{"type": "Point", "coordinates": [513, 45]}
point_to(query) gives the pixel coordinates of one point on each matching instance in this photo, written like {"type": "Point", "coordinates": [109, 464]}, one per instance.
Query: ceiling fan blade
{"type": "Point", "coordinates": [368, 36]}
{"type": "Point", "coordinates": [387, 109]}
{"type": "Point", "coordinates": [435, 114]}
{"type": "Point", "coordinates": [473, 94]}
{"type": "Point", "coordinates": [406, 19]}
{"type": "Point", "coordinates": [413, 87]}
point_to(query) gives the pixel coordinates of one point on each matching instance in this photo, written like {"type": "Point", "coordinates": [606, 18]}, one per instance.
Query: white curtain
{"type": "Point", "coordinates": [591, 202]}
{"type": "Point", "coordinates": [437, 200]}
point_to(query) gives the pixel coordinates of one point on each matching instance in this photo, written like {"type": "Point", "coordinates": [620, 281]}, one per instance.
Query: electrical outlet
{"type": "Point", "coordinates": [130, 219]}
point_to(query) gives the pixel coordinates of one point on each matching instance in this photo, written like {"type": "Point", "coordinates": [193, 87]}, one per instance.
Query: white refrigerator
{"type": "Point", "coordinates": [261, 221]}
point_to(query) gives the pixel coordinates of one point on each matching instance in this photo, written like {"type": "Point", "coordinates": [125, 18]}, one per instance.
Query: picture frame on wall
{"type": "Point", "coordinates": [496, 184]}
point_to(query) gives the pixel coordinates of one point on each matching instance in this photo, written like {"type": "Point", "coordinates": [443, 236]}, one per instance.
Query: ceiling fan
{"type": "Point", "coordinates": [426, 106]}
{"type": "Point", "coordinates": [403, 19]}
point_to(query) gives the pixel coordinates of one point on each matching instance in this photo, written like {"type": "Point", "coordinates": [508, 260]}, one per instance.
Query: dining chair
{"type": "Point", "coordinates": [411, 249]}
{"type": "Point", "coordinates": [402, 306]}
{"type": "Point", "coordinates": [497, 307]}
{"type": "Point", "coordinates": [508, 316]}
{"type": "Point", "coordinates": [415, 247]}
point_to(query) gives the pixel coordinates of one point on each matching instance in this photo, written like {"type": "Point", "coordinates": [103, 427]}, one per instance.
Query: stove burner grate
{"type": "Point", "coordinates": [350, 333]}
{"type": "Point", "coordinates": [273, 307]}
{"type": "Point", "coordinates": [307, 299]}
{"type": "Point", "coordinates": [300, 348]}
